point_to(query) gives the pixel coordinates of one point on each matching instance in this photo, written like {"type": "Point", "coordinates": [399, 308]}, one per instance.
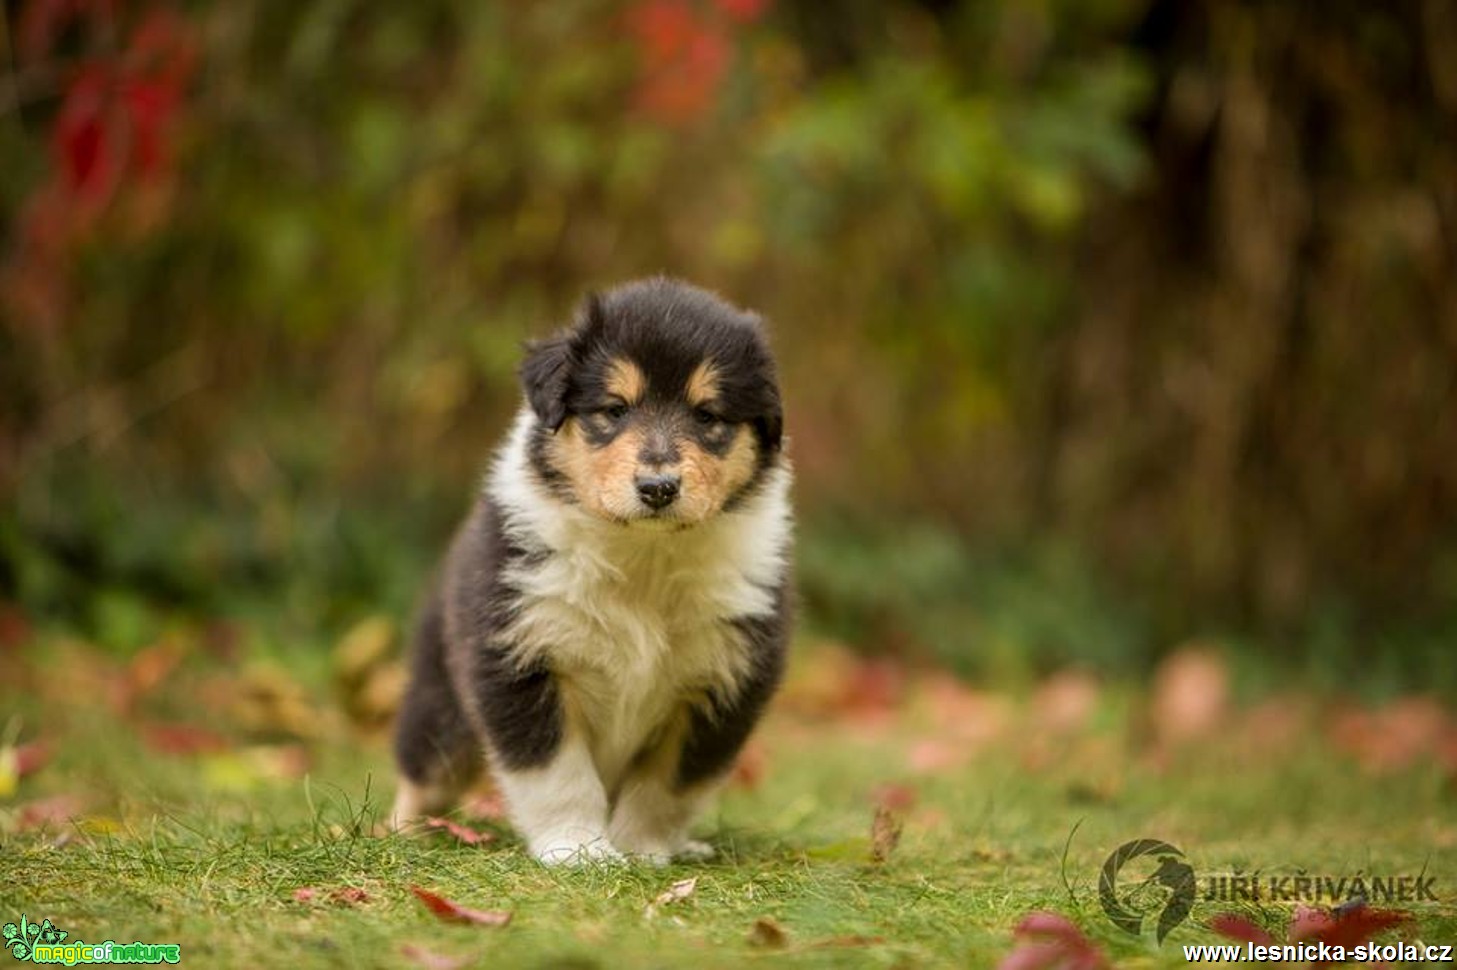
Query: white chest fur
{"type": "Point", "coordinates": [632, 618]}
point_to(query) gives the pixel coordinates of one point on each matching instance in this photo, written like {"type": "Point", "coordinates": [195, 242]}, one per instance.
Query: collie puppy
{"type": "Point", "coordinates": [612, 616]}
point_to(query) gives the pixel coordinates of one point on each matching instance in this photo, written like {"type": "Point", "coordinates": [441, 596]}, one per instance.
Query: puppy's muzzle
{"type": "Point", "coordinates": [657, 491]}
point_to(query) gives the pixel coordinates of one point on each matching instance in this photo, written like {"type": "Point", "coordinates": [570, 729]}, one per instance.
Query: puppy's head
{"type": "Point", "coordinates": [659, 405]}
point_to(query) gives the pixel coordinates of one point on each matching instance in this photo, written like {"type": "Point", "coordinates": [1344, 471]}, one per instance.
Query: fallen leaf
{"type": "Point", "coordinates": [896, 797]}
{"type": "Point", "coordinates": [1065, 702]}
{"type": "Point", "coordinates": [1190, 696]}
{"type": "Point", "coordinates": [304, 894]}
{"type": "Point", "coordinates": [766, 932]}
{"type": "Point", "coordinates": [183, 739]}
{"type": "Point", "coordinates": [453, 912]}
{"type": "Point", "coordinates": [432, 960]}
{"type": "Point", "coordinates": [885, 834]}
{"type": "Point", "coordinates": [467, 835]}
{"type": "Point", "coordinates": [1239, 928]}
{"type": "Point", "coordinates": [677, 892]}
{"type": "Point", "coordinates": [1048, 941]}
{"type": "Point", "coordinates": [933, 756]}
{"type": "Point", "coordinates": [54, 810]}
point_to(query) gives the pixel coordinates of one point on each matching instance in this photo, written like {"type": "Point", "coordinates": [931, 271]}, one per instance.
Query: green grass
{"type": "Point", "coordinates": [206, 851]}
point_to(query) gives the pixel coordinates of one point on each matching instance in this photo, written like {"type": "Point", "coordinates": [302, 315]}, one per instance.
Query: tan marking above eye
{"type": "Point", "coordinates": [626, 380]}
{"type": "Point", "coordinates": [702, 384]}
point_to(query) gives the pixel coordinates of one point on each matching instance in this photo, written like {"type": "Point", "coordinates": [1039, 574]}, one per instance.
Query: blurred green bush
{"type": "Point", "coordinates": [1093, 281]}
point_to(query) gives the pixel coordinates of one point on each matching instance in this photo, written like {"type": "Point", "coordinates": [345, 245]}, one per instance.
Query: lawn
{"type": "Point", "coordinates": [230, 805]}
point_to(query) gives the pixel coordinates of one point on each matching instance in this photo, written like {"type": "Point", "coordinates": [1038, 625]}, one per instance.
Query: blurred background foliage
{"type": "Point", "coordinates": [1104, 324]}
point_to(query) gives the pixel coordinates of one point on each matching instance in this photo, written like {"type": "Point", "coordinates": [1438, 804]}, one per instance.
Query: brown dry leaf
{"type": "Point", "coordinates": [1405, 732]}
{"type": "Point", "coordinates": [268, 702]}
{"type": "Point", "coordinates": [767, 933]}
{"type": "Point", "coordinates": [1190, 696]}
{"type": "Point", "coordinates": [452, 912]}
{"type": "Point", "coordinates": [183, 739]}
{"type": "Point", "coordinates": [933, 756]}
{"type": "Point", "coordinates": [677, 892]}
{"type": "Point", "coordinates": [885, 834]}
{"type": "Point", "coordinates": [1065, 702]}
{"type": "Point", "coordinates": [896, 797]}
{"type": "Point", "coordinates": [431, 960]}
{"type": "Point", "coordinates": [467, 835]}
{"type": "Point", "coordinates": [53, 812]}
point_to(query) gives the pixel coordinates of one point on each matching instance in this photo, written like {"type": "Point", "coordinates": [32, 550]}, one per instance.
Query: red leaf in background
{"type": "Point", "coordinates": [85, 139]}
{"type": "Point", "coordinates": [1239, 928]}
{"type": "Point", "coordinates": [1353, 925]}
{"type": "Point", "coordinates": [32, 757]}
{"type": "Point", "coordinates": [304, 894]}
{"type": "Point", "coordinates": [744, 11]}
{"type": "Point", "coordinates": [684, 58]}
{"type": "Point", "coordinates": [54, 810]}
{"type": "Point", "coordinates": [183, 739]}
{"type": "Point", "coordinates": [1049, 941]}
{"type": "Point", "coordinates": [896, 798]}
{"type": "Point", "coordinates": [467, 835]}
{"type": "Point", "coordinates": [453, 912]}
{"type": "Point", "coordinates": [42, 21]}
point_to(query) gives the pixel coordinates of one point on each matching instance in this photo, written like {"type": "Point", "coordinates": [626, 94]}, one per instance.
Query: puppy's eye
{"type": "Point", "coordinates": [615, 412]}
{"type": "Point", "coordinates": [706, 417]}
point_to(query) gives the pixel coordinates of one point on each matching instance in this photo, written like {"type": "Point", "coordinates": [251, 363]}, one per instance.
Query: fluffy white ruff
{"type": "Point", "coordinates": [632, 619]}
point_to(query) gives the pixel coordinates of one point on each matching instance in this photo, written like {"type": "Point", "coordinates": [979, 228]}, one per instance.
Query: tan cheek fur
{"type": "Point", "coordinates": [709, 481]}
{"type": "Point", "coordinates": [602, 478]}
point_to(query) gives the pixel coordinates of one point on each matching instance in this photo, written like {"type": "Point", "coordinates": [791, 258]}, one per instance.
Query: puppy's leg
{"type": "Point", "coordinates": [651, 817]}
{"type": "Point", "coordinates": [672, 784]}
{"type": "Point", "coordinates": [436, 751]}
{"type": "Point", "coordinates": [540, 760]}
{"type": "Point", "coordinates": [560, 808]}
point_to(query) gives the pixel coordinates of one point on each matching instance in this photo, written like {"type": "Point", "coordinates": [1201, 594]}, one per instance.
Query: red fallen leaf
{"type": "Point", "coordinates": [1049, 941]}
{"type": "Point", "coordinates": [1239, 928]}
{"type": "Point", "coordinates": [931, 756]}
{"type": "Point", "coordinates": [896, 797]}
{"type": "Point", "coordinates": [183, 739]}
{"type": "Point", "coordinates": [1309, 921]}
{"type": "Point", "coordinates": [32, 757]}
{"type": "Point", "coordinates": [304, 894]}
{"type": "Point", "coordinates": [467, 835]}
{"type": "Point", "coordinates": [453, 912]}
{"type": "Point", "coordinates": [430, 959]}
{"type": "Point", "coordinates": [1190, 695]}
{"type": "Point", "coordinates": [54, 810]}
{"type": "Point", "coordinates": [1354, 925]}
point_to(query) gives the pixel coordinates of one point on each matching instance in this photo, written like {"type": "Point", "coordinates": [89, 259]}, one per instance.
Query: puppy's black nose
{"type": "Point", "coordinates": [657, 491]}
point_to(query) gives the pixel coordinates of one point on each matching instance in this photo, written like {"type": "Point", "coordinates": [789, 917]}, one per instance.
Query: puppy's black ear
{"type": "Point", "coordinates": [545, 375]}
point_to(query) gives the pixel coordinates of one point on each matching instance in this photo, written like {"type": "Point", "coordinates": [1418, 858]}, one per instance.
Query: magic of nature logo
{"type": "Point", "coordinates": [44, 942]}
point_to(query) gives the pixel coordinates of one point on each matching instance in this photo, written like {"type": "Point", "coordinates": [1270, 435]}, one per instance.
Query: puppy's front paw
{"type": "Point", "coordinates": [566, 851]}
{"type": "Point", "coordinates": [695, 850]}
